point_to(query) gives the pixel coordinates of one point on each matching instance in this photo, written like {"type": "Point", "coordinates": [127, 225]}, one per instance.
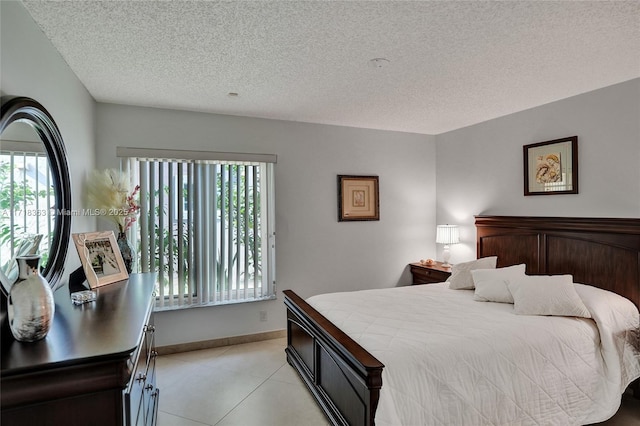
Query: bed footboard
{"type": "Point", "coordinates": [344, 378]}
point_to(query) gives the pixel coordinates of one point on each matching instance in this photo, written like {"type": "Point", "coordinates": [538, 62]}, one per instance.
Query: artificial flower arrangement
{"type": "Point", "coordinates": [109, 194]}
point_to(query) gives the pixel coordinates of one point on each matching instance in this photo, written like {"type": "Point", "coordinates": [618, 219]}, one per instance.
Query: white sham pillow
{"type": "Point", "coordinates": [492, 284]}
{"type": "Point", "coordinates": [461, 279]}
{"type": "Point", "coordinates": [547, 295]}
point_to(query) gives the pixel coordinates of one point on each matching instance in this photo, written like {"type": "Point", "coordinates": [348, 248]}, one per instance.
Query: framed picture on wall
{"type": "Point", "coordinates": [551, 167]}
{"type": "Point", "coordinates": [358, 198]}
{"type": "Point", "coordinates": [101, 258]}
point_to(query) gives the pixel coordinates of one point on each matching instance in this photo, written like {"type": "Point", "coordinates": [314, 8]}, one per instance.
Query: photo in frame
{"type": "Point", "coordinates": [358, 198]}
{"type": "Point", "coordinates": [551, 167]}
{"type": "Point", "coordinates": [101, 258]}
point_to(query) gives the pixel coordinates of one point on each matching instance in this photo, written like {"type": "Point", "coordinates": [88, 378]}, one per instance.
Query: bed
{"type": "Point", "coordinates": [347, 380]}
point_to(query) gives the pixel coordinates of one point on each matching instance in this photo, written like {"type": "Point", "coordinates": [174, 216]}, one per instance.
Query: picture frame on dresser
{"type": "Point", "coordinates": [358, 198]}
{"type": "Point", "coordinates": [100, 257]}
{"type": "Point", "coordinates": [551, 167]}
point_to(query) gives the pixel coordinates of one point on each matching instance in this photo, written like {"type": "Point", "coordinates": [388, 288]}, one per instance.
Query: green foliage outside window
{"type": "Point", "coordinates": [14, 196]}
{"type": "Point", "coordinates": [169, 243]}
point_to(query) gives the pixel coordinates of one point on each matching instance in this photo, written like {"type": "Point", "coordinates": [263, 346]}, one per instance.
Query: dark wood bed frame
{"type": "Point", "coordinates": [346, 380]}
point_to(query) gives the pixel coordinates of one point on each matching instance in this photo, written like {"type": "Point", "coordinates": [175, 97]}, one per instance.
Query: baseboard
{"type": "Point", "coordinates": [216, 343]}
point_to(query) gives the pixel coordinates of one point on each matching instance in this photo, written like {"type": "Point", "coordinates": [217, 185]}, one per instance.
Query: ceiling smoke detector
{"type": "Point", "coordinates": [379, 62]}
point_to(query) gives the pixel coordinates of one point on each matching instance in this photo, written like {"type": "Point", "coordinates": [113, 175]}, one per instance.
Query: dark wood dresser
{"type": "Point", "coordinates": [96, 366]}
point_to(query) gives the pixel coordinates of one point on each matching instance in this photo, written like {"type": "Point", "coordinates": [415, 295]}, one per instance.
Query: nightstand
{"type": "Point", "coordinates": [428, 274]}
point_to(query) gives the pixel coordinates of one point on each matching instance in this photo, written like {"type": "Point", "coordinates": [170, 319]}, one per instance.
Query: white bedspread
{"type": "Point", "coordinates": [450, 360]}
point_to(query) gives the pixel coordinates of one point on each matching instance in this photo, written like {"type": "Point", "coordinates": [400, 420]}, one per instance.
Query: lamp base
{"type": "Point", "coordinates": [446, 255]}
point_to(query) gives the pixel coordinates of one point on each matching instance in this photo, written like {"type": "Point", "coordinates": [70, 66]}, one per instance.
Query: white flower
{"type": "Point", "coordinates": [109, 193]}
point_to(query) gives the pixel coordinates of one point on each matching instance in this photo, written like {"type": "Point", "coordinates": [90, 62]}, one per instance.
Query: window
{"type": "Point", "coordinates": [27, 203]}
{"type": "Point", "coordinates": [205, 225]}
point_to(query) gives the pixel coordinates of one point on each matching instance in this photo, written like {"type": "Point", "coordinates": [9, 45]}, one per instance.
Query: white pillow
{"type": "Point", "coordinates": [460, 278]}
{"type": "Point", "coordinates": [491, 284]}
{"type": "Point", "coordinates": [547, 295]}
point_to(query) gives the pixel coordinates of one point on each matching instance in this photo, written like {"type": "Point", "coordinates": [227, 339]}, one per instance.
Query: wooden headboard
{"type": "Point", "coordinates": [601, 252]}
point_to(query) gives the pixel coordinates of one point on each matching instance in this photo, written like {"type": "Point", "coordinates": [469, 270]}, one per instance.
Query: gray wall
{"type": "Point", "coordinates": [30, 66]}
{"type": "Point", "coordinates": [314, 252]}
{"type": "Point", "coordinates": [479, 168]}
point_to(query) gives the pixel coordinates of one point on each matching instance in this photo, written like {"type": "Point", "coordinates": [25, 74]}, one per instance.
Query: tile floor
{"type": "Point", "coordinates": [245, 385]}
{"type": "Point", "coordinates": [252, 385]}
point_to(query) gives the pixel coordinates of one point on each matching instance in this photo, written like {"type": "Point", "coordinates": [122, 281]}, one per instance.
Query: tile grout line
{"type": "Point", "coordinates": [185, 418]}
{"type": "Point", "coordinates": [197, 363]}
{"type": "Point", "coordinates": [250, 393]}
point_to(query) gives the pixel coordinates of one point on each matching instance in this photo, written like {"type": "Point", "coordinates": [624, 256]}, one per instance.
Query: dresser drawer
{"type": "Point", "coordinates": [151, 394]}
{"type": "Point", "coordinates": [141, 395]}
{"type": "Point", "coordinates": [134, 392]}
{"type": "Point", "coordinates": [133, 396]}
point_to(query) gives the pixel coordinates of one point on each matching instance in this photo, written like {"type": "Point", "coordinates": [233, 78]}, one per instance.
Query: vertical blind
{"type": "Point", "coordinates": [205, 226]}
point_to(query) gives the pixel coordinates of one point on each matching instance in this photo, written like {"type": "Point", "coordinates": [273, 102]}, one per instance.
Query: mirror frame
{"type": "Point", "coordinates": [29, 111]}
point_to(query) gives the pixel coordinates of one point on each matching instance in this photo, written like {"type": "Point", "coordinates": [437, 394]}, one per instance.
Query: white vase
{"type": "Point", "coordinates": [30, 306]}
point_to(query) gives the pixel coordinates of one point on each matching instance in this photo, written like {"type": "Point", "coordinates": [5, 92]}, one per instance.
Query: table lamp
{"type": "Point", "coordinates": [447, 234]}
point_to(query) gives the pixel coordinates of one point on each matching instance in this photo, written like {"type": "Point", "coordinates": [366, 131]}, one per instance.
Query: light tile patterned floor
{"type": "Point", "coordinates": [252, 385]}
{"type": "Point", "coordinates": [248, 384]}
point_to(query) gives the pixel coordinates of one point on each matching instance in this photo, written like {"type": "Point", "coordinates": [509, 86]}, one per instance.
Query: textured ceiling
{"type": "Point", "coordinates": [450, 64]}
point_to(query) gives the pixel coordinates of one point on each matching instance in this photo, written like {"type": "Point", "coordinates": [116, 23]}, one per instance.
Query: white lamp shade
{"type": "Point", "coordinates": [447, 234]}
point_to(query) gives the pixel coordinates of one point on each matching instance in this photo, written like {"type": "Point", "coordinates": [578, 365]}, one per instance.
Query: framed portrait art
{"type": "Point", "coordinates": [551, 167]}
{"type": "Point", "coordinates": [358, 198]}
{"type": "Point", "coordinates": [101, 258]}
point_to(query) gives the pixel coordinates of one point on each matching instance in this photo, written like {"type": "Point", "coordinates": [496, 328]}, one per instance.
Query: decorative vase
{"type": "Point", "coordinates": [30, 305]}
{"type": "Point", "coordinates": [126, 249]}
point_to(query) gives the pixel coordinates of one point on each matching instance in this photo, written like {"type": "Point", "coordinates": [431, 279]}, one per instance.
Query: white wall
{"type": "Point", "coordinates": [30, 66]}
{"type": "Point", "coordinates": [480, 168]}
{"type": "Point", "coordinates": [314, 252]}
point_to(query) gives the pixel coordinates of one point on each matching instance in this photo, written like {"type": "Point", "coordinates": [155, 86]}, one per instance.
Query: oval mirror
{"type": "Point", "coordinates": [35, 190]}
